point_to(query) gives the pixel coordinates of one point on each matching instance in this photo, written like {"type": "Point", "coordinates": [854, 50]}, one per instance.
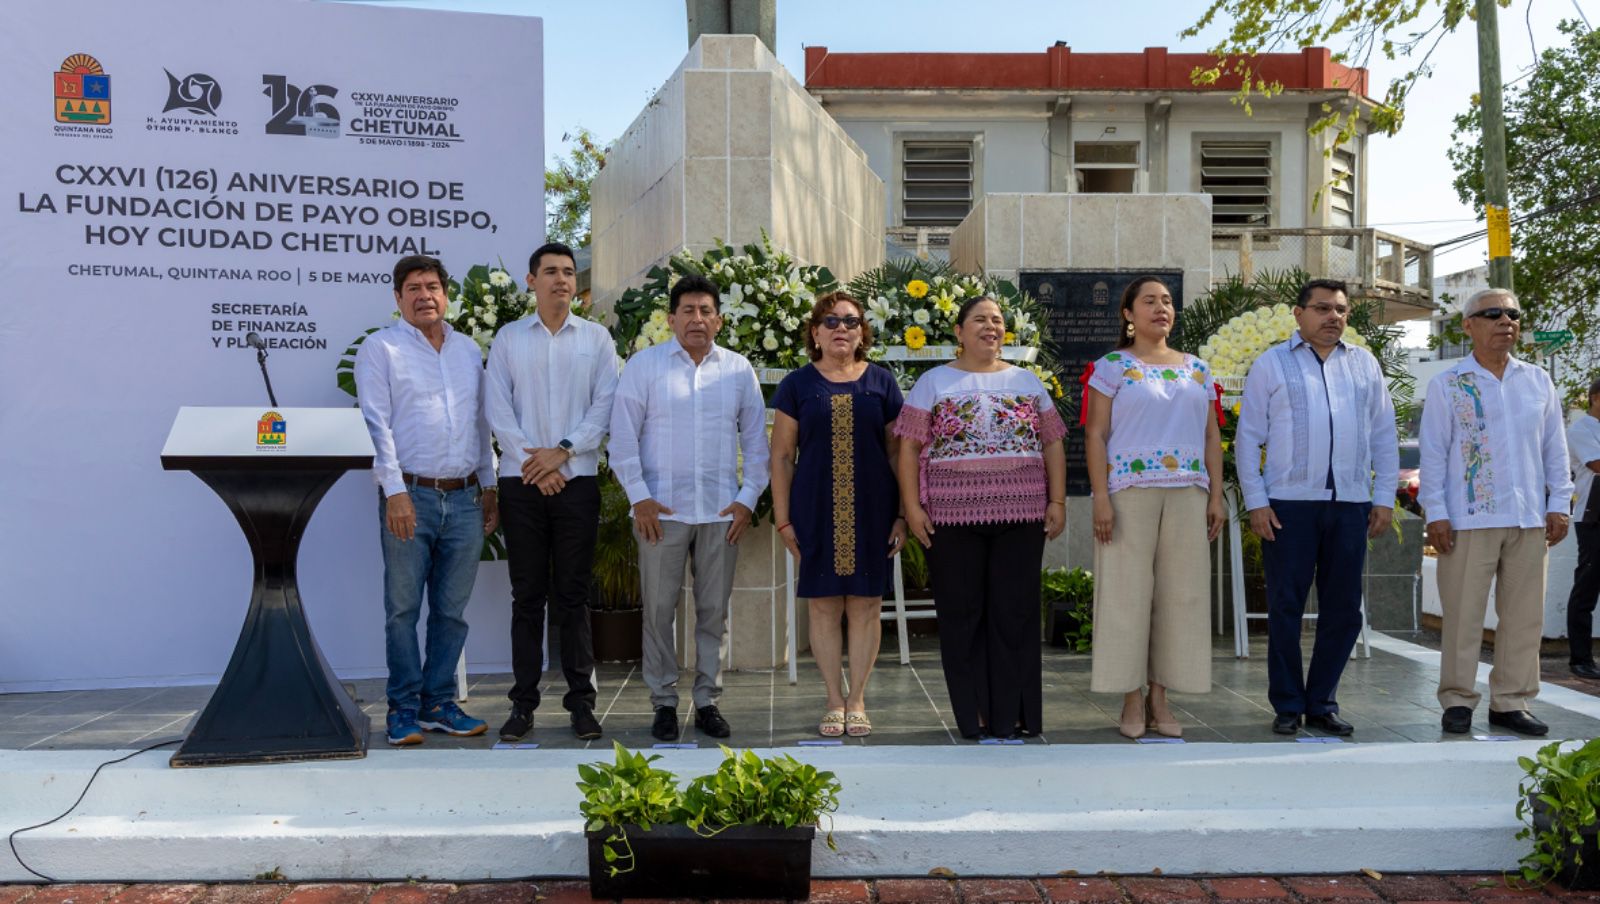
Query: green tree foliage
{"type": "Point", "coordinates": [566, 189]}
{"type": "Point", "coordinates": [1552, 133]}
{"type": "Point", "coordinates": [1407, 30]}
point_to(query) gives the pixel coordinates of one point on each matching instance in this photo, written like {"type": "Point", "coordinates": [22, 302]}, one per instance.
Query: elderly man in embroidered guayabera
{"type": "Point", "coordinates": [1496, 493]}
{"type": "Point", "coordinates": [1322, 411]}
{"type": "Point", "coordinates": [688, 419]}
{"type": "Point", "coordinates": [419, 384]}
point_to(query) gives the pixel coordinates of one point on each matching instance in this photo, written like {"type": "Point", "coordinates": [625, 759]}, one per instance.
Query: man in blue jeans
{"type": "Point", "coordinates": [420, 386]}
{"type": "Point", "coordinates": [1322, 409]}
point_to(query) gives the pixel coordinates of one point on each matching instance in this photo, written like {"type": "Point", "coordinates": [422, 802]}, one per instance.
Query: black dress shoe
{"type": "Point", "coordinates": [1457, 720]}
{"type": "Point", "coordinates": [665, 727]}
{"type": "Point", "coordinates": [1586, 670]}
{"type": "Point", "coordinates": [1286, 723]}
{"type": "Point", "coordinates": [708, 720]}
{"type": "Point", "coordinates": [585, 725]}
{"type": "Point", "coordinates": [520, 723]}
{"type": "Point", "coordinates": [1330, 723]}
{"type": "Point", "coordinates": [1519, 721]}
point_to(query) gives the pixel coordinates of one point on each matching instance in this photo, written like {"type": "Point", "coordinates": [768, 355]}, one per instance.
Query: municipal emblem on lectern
{"type": "Point", "coordinates": [83, 91]}
{"type": "Point", "coordinates": [272, 431]}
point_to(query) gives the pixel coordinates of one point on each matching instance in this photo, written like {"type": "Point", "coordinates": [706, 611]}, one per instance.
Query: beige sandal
{"type": "Point", "coordinates": [856, 725]}
{"type": "Point", "coordinates": [832, 724]}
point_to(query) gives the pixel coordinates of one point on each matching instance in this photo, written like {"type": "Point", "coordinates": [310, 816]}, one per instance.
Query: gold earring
{"type": "Point", "coordinates": [1129, 330]}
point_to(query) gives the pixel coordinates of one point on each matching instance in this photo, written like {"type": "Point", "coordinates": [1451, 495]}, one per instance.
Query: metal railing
{"type": "Point", "coordinates": [1376, 264]}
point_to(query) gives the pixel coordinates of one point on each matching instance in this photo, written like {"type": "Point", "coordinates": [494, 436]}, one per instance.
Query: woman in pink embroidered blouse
{"type": "Point", "coordinates": [983, 480]}
{"type": "Point", "coordinates": [1154, 454]}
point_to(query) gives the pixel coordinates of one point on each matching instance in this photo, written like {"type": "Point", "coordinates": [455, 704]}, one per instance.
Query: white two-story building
{"type": "Point", "coordinates": [944, 129]}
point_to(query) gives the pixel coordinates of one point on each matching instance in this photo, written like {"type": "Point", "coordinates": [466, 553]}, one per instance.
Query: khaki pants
{"type": "Point", "coordinates": [1514, 558]}
{"type": "Point", "coordinates": [1152, 614]}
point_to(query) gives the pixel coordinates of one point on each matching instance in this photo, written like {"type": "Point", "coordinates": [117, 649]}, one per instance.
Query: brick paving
{"type": "Point", "coordinates": [1429, 888]}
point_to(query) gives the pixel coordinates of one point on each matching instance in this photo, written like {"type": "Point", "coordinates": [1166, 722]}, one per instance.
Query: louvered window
{"type": "Point", "coordinates": [1238, 176]}
{"type": "Point", "coordinates": [936, 183]}
{"type": "Point", "coordinates": [1342, 191]}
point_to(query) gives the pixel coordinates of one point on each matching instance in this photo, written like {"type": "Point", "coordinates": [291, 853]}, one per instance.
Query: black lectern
{"type": "Point", "coordinates": [278, 700]}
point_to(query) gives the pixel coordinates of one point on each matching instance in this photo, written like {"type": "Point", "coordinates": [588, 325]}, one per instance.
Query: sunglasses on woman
{"type": "Point", "coordinates": [833, 322]}
{"type": "Point", "coordinates": [1497, 313]}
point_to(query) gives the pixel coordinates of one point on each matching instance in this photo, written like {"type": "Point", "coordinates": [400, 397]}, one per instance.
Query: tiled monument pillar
{"type": "Point", "coordinates": [729, 146]}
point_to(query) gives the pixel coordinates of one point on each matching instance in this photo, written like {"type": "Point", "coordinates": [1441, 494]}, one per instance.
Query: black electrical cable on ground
{"type": "Point", "coordinates": [12, 838]}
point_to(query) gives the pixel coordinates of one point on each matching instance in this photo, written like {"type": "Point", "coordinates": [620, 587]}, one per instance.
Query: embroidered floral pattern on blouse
{"type": "Point", "coordinates": [986, 424]}
{"type": "Point", "coordinates": [844, 481]}
{"type": "Point", "coordinates": [1477, 456]}
{"type": "Point", "coordinates": [1176, 462]}
{"type": "Point", "coordinates": [1136, 371]}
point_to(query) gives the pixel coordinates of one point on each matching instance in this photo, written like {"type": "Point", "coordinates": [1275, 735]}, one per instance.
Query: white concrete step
{"type": "Point", "coordinates": [1031, 810]}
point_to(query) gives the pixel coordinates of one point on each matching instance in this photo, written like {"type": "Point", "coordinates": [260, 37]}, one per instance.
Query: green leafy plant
{"type": "Point", "coordinates": [629, 791]}
{"type": "Point", "coordinates": [748, 790]}
{"type": "Point", "coordinates": [914, 564]}
{"type": "Point", "coordinates": [1556, 801]}
{"type": "Point", "coordinates": [1075, 588]}
{"type": "Point", "coordinates": [616, 550]}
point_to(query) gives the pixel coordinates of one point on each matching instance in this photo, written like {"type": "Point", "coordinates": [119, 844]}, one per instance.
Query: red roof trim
{"type": "Point", "coordinates": [1059, 69]}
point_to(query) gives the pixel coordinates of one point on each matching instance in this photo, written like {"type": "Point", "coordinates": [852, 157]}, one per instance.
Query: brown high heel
{"type": "Point", "coordinates": [1167, 729]}
{"type": "Point", "coordinates": [1133, 729]}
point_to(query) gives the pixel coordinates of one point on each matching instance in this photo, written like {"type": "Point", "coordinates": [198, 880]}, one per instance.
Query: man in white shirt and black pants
{"type": "Point", "coordinates": [420, 383]}
{"type": "Point", "coordinates": [1496, 493]}
{"type": "Point", "coordinates": [1583, 446]}
{"type": "Point", "coordinates": [548, 397]}
{"type": "Point", "coordinates": [687, 411]}
{"type": "Point", "coordinates": [1322, 410]}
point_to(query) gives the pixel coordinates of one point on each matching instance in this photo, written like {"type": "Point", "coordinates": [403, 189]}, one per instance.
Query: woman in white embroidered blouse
{"type": "Point", "coordinates": [983, 483]}
{"type": "Point", "coordinates": [1154, 455]}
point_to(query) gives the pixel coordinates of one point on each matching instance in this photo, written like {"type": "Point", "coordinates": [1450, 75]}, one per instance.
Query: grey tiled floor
{"type": "Point", "coordinates": [1387, 698]}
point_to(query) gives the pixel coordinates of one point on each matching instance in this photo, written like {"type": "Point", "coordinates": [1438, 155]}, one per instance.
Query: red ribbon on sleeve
{"type": "Point", "coordinates": [1083, 403]}
{"type": "Point", "coordinates": [1222, 418]}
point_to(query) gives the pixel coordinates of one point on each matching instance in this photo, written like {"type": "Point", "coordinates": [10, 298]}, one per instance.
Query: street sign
{"type": "Point", "coordinates": [1552, 339]}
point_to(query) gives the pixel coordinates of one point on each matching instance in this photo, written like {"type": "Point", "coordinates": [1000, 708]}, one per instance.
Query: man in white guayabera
{"type": "Point", "coordinates": [1323, 413]}
{"type": "Point", "coordinates": [1497, 495]}
{"type": "Point", "coordinates": [687, 412]}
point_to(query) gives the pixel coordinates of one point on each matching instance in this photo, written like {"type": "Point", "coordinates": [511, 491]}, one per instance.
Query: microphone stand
{"type": "Point", "coordinates": [261, 359]}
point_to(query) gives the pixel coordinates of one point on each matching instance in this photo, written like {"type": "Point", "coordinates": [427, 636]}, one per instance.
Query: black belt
{"type": "Point", "coordinates": [443, 484]}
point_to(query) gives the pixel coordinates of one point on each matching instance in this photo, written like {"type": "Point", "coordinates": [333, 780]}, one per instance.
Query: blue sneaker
{"type": "Point", "coordinates": [448, 718]}
{"type": "Point", "coordinates": [403, 728]}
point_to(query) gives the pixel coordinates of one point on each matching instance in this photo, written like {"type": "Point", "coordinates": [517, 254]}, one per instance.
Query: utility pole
{"type": "Point", "coordinates": [1496, 201]}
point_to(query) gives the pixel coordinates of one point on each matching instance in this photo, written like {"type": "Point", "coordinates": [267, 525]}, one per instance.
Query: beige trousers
{"type": "Point", "coordinates": [1514, 558]}
{"type": "Point", "coordinates": [1152, 613]}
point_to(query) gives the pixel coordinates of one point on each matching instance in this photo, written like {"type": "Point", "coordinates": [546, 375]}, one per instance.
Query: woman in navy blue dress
{"type": "Point", "coordinates": [837, 507]}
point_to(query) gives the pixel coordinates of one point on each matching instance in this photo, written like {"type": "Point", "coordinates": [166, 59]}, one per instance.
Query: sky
{"type": "Point", "coordinates": [605, 59]}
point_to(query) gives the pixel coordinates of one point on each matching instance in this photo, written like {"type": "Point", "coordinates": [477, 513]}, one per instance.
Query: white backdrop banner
{"type": "Point", "coordinates": [178, 174]}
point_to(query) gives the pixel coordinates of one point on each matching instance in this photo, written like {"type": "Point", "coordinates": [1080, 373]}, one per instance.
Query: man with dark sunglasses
{"type": "Point", "coordinates": [1496, 493]}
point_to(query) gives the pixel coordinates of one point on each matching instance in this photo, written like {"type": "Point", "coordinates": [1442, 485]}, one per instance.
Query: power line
{"type": "Point", "coordinates": [1584, 201]}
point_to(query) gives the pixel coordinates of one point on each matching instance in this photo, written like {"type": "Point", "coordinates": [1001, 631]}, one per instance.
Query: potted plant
{"type": "Point", "coordinates": [616, 610]}
{"type": "Point", "coordinates": [1556, 804]}
{"type": "Point", "coordinates": [744, 831]}
{"type": "Point", "coordinates": [1067, 598]}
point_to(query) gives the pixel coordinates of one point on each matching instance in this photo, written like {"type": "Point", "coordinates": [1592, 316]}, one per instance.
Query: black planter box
{"type": "Point", "coordinates": [671, 861]}
{"type": "Point", "coordinates": [618, 634]}
{"type": "Point", "coordinates": [1572, 875]}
